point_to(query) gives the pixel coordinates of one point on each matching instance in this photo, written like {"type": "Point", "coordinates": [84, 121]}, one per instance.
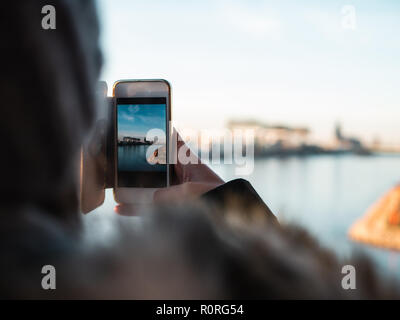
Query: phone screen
{"type": "Point", "coordinates": [141, 142]}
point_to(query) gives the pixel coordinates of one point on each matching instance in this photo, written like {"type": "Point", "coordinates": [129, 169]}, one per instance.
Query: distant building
{"type": "Point", "coordinates": [281, 140]}
{"type": "Point", "coordinates": [338, 132]}
{"type": "Point", "coordinates": [349, 143]}
{"type": "Point", "coordinates": [270, 135]}
{"type": "Point", "coordinates": [134, 141]}
{"type": "Point", "coordinates": [131, 140]}
{"type": "Point", "coordinates": [346, 142]}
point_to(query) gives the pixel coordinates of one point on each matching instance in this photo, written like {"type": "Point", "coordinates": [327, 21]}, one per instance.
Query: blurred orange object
{"type": "Point", "coordinates": [394, 218]}
{"type": "Point", "coordinates": [380, 226]}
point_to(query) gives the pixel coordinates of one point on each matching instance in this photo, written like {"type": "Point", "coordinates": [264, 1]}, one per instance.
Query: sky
{"type": "Point", "coordinates": [137, 120]}
{"type": "Point", "coordinates": [296, 63]}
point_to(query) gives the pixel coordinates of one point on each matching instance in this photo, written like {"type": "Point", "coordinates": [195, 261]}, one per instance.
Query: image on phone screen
{"type": "Point", "coordinates": [141, 142]}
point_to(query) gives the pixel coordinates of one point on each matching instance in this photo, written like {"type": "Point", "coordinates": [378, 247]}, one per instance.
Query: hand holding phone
{"type": "Point", "coordinates": [131, 152]}
{"type": "Point", "coordinates": [190, 181]}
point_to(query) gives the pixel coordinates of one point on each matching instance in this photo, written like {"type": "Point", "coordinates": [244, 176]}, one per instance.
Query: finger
{"type": "Point", "coordinates": [183, 152]}
{"type": "Point", "coordinates": [182, 192]}
{"type": "Point", "coordinates": [126, 210]}
{"type": "Point", "coordinates": [200, 173]}
{"type": "Point", "coordinates": [194, 171]}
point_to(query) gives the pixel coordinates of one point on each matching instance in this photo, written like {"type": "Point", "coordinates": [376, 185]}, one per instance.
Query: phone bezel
{"type": "Point", "coordinates": [136, 195]}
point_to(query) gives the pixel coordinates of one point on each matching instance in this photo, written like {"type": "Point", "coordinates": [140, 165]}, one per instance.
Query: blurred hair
{"type": "Point", "coordinates": [192, 252]}
{"type": "Point", "coordinates": [47, 87]}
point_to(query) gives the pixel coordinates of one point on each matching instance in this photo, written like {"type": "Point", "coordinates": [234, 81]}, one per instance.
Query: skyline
{"type": "Point", "coordinates": [281, 62]}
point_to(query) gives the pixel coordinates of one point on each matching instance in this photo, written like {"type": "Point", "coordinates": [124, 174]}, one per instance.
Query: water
{"type": "Point", "coordinates": [134, 158]}
{"type": "Point", "coordinates": [325, 194]}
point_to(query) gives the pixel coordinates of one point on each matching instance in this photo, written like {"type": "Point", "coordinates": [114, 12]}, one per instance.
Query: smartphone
{"type": "Point", "coordinates": [142, 135]}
